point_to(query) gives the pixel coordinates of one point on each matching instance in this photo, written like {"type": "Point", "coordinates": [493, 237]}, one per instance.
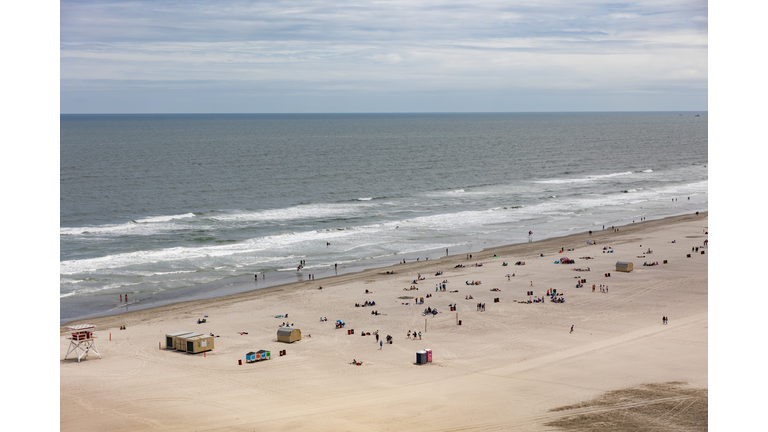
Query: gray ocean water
{"type": "Point", "coordinates": [175, 207]}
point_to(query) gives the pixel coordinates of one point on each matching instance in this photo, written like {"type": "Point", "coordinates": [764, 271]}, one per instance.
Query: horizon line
{"type": "Point", "coordinates": [382, 112]}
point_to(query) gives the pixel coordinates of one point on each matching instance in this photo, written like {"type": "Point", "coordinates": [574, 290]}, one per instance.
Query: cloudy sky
{"type": "Point", "coordinates": [382, 56]}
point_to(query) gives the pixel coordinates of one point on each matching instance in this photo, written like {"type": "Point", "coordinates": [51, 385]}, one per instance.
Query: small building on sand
{"type": "Point", "coordinates": [199, 344]}
{"type": "Point", "coordinates": [623, 266]}
{"type": "Point", "coordinates": [170, 338]}
{"type": "Point", "coordinates": [288, 334]}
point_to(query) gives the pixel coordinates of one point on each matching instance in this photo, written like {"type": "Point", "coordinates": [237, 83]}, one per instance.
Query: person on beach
{"type": "Point", "coordinates": [126, 298]}
{"type": "Point", "coordinates": [121, 298]}
{"type": "Point", "coordinates": [409, 334]}
{"type": "Point", "coordinates": [571, 329]}
{"type": "Point", "coordinates": [381, 343]}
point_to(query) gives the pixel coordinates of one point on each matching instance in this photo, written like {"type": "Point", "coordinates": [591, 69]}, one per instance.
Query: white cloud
{"type": "Point", "coordinates": [379, 47]}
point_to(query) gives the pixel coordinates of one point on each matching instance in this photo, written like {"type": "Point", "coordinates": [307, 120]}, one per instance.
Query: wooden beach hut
{"type": "Point", "coordinates": [199, 344]}
{"type": "Point", "coordinates": [181, 341]}
{"type": "Point", "coordinates": [170, 338]}
{"type": "Point", "coordinates": [288, 334]}
{"type": "Point", "coordinates": [623, 266]}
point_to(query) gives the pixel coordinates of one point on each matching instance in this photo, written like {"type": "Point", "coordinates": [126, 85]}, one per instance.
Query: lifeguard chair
{"type": "Point", "coordinates": [82, 341]}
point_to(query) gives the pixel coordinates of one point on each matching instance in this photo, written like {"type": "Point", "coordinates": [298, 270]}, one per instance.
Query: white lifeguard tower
{"type": "Point", "coordinates": [82, 340]}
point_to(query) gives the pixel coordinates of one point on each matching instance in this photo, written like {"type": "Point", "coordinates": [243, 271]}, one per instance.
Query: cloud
{"type": "Point", "coordinates": [377, 47]}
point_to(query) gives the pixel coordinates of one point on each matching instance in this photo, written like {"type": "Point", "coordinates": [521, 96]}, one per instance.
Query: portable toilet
{"type": "Point", "coordinates": [421, 357]}
{"type": "Point", "coordinates": [170, 339]}
{"type": "Point", "coordinates": [288, 334]}
{"type": "Point", "coordinates": [181, 341]}
{"type": "Point", "coordinates": [250, 357]}
{"type": "Point", "coordinates": [623, 266]}
{"type": "Point", "coordinates": [263, 355]}
{"type": "Point", "coordinates": [199, 344]}
{"type": "Point", "coordinates": [429, 355]}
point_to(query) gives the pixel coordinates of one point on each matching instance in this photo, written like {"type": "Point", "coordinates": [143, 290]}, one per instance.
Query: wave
{"type": "Point", "coordinates": [303, 211]}
{"type": "Point", "coordinates": [583, 180]}
{"type": "Point", "coordinates": [154, 219]}
{"type": "Point", "coordinates": [145, 226]}
{"type": "Point", "coordinates": [364, 199]}
{"type": "Point", "coordinates": [183, 253]}
{"type": "Point", "coordinates": [647, 171]}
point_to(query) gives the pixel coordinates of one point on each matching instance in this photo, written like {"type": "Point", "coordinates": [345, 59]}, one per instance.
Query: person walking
{"type": "Point", "coordinates": [571, 329]}
{"type": "Point", "coordinates": [381, 344]}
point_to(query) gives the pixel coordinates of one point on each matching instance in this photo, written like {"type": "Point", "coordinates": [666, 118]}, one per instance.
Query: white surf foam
{"type": "Point", "coordinates": [591, 178]}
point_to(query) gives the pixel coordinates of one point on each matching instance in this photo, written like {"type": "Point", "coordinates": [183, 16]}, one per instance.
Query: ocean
{"type": "Point", "coordinates": [170, 208]}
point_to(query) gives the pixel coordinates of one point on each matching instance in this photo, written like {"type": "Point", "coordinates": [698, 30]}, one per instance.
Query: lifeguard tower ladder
{"type": "Point", "coordinates": [82, 341]}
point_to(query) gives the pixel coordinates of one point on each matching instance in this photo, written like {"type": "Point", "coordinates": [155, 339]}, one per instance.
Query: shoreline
{"type": "Point", "coordinates": [530, 249]}
{"type": "Point", "coordinates": [636, 348]}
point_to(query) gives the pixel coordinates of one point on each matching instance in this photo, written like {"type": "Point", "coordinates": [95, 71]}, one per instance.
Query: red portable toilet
{"type": "Point", "coordinates": [429, 355]}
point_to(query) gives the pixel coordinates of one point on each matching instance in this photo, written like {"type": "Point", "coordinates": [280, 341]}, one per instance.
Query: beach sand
{"type": "Point", "coordinates": [513, 366]}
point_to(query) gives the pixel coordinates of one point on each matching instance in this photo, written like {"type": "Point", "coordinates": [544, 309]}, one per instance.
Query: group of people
{"type": "Point", "coordinates": [481, 307]}
{"type": "Point", "coordinates": [473, 282]}
{"type": "Point", "coordinates": [603, 288]}
{"type": "Point", "coordinates": [365, 303]}
{"type": "Point", "coordinates": [414, 334]}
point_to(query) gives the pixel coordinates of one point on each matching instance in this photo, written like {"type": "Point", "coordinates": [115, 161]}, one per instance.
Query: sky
{"type": "Point", "coordinates": [382, 56]}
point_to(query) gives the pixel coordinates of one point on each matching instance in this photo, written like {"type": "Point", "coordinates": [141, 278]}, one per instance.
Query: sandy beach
{"type": "Point", "coordinates": [513, 366]}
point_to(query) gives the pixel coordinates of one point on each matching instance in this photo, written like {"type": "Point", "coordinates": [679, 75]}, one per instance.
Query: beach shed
{"type": "Point", "coordinates": [170, 338]}
{"type": "Point", "coordinates": [623, 266]}
{"type": "Point", "coordinates": [288, 334]}
{"type": "Point", "coordinates": [199, 344]}
{"type": "Point", "coordinates": [181, 341]}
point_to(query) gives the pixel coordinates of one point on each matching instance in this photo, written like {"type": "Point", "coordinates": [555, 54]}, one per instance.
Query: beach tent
{"type": "Point", "coordinates": [288, 334]}
{"type": "Point", "coordinates": [181, 341]}
{"type": "Point", "coordinates": [199, 344]}
{"type": "Point", "coordinates": [170, 338]}
{"type": "Point", "coordinates": [623, 266]}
